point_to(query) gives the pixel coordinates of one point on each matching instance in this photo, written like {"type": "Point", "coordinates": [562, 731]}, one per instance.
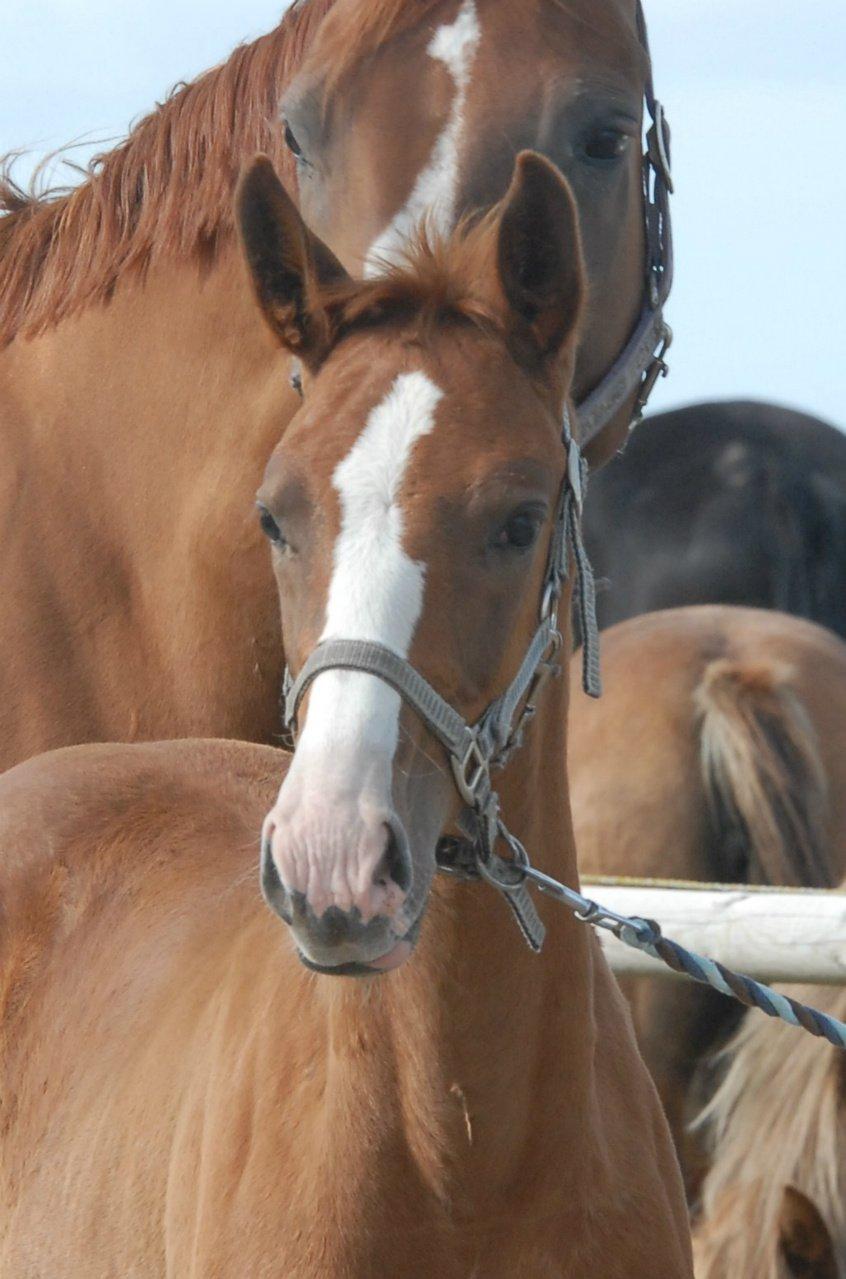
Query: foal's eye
{"type": "Point", "coordinates": [269, 526]}
{"type": "Point", "coordinates": [606, 145]}
{"type": "Point", "coordinates": [519, 531]}
{"type": "Point", "coordinates": [291, 142]}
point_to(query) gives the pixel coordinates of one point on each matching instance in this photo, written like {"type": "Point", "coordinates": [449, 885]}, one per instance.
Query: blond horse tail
{"type": "Point", "coordinates": [763, 775]}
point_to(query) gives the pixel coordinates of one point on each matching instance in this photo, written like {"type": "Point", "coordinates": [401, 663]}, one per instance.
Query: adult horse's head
{"type": "Point", "coordinates": [409, 110]}
{"type": "Point", "coordinates": [410, 504]}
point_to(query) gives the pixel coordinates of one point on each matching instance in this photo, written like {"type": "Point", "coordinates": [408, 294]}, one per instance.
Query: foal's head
{"type": "Point", "coordinates": [410, 503]}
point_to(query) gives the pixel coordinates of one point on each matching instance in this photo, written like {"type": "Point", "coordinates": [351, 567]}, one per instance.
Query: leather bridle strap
{"type": "Point", "coordinates": [641, 361]}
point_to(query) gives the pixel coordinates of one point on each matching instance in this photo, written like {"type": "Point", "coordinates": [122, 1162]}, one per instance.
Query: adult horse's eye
{"type": "Point", "coordinates": [606, 144]}
{"type": "Point", "coordinates": [519, 531]}
{"type": "Point", "coordinates": [269, 526]}
{"type": "Point", "coordinates": [291, 142]}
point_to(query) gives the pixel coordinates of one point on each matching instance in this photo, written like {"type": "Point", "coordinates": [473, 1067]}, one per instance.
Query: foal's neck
{"type": "Point", "coordinates": [482, 1033]}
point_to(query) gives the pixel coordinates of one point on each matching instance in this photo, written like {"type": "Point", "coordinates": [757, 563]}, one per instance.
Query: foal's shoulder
{"type": "Point", "coordinates": [94, 806]}
{"type": "Point", "coordinates": [102, 829]}
{"type": "Point", "coordinates": [77, 783]}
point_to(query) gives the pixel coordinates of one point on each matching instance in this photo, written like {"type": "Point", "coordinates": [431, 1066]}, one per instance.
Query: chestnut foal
{"type": "Point", "coordinates": [181, 1095]}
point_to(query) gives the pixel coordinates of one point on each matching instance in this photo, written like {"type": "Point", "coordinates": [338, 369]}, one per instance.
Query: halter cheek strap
{"type": "Point", "coordinates": [474, 750]}
{"type": "Point", "coordinates": [642, 362]}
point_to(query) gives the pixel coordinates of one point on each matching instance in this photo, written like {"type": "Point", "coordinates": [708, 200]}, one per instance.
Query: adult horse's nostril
{"type": "Point", "coordinates": [395, 864]}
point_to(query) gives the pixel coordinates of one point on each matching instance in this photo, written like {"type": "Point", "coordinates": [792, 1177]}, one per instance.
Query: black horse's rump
{"type": "Point", "coordinates": [734, 503]}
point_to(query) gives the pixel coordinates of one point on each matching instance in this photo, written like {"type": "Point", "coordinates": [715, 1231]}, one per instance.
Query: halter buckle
{"type": "Point", "coordinates": [658, 146]}
{"type": "Point", "coordinates": [657, 367]}
{"type": "Point", "coordinates": [574, 473]}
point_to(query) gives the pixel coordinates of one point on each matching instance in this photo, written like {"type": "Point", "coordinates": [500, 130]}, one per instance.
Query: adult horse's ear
{"type": "Point", "coordinates": [539, 256]}
{"type": "Point", "coordinates": [804, 1241]}
{"type": "Point", "coordinates": [288, 265]}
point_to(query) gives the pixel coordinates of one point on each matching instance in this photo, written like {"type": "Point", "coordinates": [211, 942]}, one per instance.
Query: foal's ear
{"type": "Point", "coordinates": [288, 265]}
{"type": "Point", "coordinates": [539, 256]}
{"type": "Point", "coordinates": [804, 1241]}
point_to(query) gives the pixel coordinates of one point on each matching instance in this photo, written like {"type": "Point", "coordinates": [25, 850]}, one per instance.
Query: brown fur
{"type": "Point", "coordinates": [763, 775]}
{"type": "Point", "coordinates": [352, 35]}
{"type": "Point", "coordinates": [776, 1121]}
{"type": "Point", "coordinates": [166, 191]}
{"type": "Point", "coordinates": [136, 429]}
{"type": "Point", "coordinates": [773, 689]}
{"type": "Point", "coordinates": [181, 1094]}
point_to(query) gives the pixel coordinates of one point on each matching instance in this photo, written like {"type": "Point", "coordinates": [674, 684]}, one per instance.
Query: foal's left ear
{"type": "Point", "coordinates": [539, 256]}
{"type": "Point", "coordinates": [289, 265]}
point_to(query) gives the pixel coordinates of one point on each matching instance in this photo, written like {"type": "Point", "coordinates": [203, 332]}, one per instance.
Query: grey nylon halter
{"type": "Point", "coordinates": [475, 750]}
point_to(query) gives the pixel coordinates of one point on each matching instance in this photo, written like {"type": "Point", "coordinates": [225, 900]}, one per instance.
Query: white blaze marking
{"type": "Point", "coordinates": [433, 196]}
{"type": "Point", "coordinates": [376, 591]}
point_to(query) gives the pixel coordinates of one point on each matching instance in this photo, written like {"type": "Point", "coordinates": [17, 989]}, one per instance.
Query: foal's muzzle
{"type": "Point", "coordinates": [340, 942]}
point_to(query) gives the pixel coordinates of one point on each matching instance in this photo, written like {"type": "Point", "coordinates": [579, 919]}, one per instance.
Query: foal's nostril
{"type": "Point", "coordinates": [394, 867]}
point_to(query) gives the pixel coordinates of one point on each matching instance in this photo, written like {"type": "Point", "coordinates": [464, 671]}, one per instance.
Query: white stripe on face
{"type": "Point", "coordinates": [376, 590]}
{"type": "Point", "coordinates": [433, 196]}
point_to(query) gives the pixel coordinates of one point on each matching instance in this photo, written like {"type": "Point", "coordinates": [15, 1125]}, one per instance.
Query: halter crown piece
{"type": "Point", "coordinates": [475, 750]}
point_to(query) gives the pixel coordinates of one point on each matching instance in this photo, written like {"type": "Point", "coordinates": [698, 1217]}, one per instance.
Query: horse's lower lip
{"type": "Point", "coordinates": [392, 958]}
{"type": "Point", "coordinates": [397, 955]}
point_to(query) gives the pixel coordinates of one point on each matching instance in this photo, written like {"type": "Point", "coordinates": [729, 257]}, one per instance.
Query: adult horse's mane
{"type": "Point", "coordinates": [776, 1120]}
{"type": "Point", "coordinates": [165, 190]}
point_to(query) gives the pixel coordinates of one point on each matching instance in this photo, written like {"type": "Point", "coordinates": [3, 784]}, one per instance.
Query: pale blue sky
{"type": "Point", "coordinates": [755, 91]}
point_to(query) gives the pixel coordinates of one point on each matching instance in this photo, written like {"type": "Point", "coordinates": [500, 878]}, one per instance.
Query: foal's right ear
{"type": "Point", "coordinates": [804, 1241]}
{"type": "Point", "coordinates": [287, 264]}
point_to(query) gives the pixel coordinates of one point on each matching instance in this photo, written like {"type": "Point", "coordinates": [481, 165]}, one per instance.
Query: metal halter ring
{"type": "Point", "coordinates": [471, 771]}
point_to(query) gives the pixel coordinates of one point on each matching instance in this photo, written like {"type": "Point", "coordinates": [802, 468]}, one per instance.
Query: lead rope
{"type": "Point", "coordinates": [645, 935]}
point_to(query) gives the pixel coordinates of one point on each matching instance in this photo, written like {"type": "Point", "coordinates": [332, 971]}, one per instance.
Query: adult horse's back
{"type": "Point", "coordinates": [735, 503]}
{"type": "Point", "coordinates": [138, 394]}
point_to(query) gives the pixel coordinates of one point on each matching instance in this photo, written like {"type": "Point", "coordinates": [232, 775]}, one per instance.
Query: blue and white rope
{"type": "Point", "coordinates": [645, 935]}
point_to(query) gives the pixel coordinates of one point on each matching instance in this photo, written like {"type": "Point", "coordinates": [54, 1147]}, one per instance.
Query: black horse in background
{"type": "Point", "coordinates": [726, 503]}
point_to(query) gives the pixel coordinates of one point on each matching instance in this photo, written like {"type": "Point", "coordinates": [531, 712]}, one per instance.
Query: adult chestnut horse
{"type": "Point", "coordinates": [181, 1092]}
{"type": "Point", "coordinates": [139, 398]}
{"type": "Point", "coordinates": [717, 752]}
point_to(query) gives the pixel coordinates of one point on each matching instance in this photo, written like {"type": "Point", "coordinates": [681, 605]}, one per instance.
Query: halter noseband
{"type": "Point", "coordinates": [475, 750]}
{"type": "Point", "coordinates": [641, 362]}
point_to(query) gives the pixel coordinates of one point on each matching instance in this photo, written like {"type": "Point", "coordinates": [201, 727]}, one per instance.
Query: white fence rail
{"type": "Point", "coordinates": [774, 935]}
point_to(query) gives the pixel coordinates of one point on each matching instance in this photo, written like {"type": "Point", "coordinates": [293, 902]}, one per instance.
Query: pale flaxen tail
{"type": "Point", "coordinates": [763, 776]}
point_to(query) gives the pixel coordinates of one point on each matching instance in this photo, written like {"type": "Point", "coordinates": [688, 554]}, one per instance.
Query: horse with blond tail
{"type": "Point", "coordinates": [716, 754]}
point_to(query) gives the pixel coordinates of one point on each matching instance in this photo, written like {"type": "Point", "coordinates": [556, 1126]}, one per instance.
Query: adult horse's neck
{"type": "Point", "coordinates": [142, 537]}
